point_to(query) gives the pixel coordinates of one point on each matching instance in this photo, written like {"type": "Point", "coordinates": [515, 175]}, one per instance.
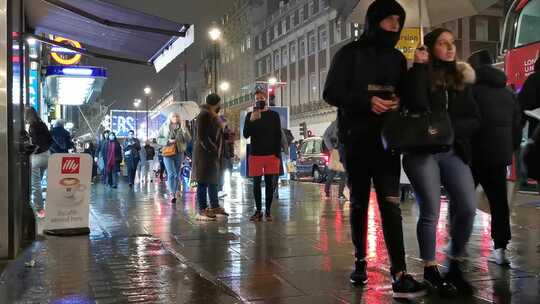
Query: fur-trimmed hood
{"type": "Point", "coordinates": [469, 75]}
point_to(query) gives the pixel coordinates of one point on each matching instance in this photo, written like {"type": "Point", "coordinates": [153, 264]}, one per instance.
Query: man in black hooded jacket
{"type": "Point", "coordinates": [364, 83]}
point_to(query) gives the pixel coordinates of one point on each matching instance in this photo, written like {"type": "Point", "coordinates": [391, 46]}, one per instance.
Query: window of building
{"type": "Point", "coordinates": [323, 37]}
{"type": "Point", "coordinates": [312, 7]}
{"type": "Point", "coordinates": [292, 52]}
{"type": "Point", "coordinates": [303, 90]}
{"type": "Point", "coordinates": [242, 48]}
{"type": "Point", "coordinates": [301, 16]}
{"type": "Point", "coordinates": [337, 30]}
{"type": "Point", "coordinates": [312, 46]}
{"type": "Point", "coordinates": [285, 96]}
{"type": "Point", "coordinates": [259, 40]}
{"type": "Point", "coordinates": [313, 88]}
{"type": "Point", "coordinates": [356, 30]}
{"type": "Point", "coordinates": [294, 92]}
{"type": "Point", "coordinates": [284, 28]}
{"type": "Point", "coordinates": [277, 60]}
{"type": "Point", "coordinates": [482, 29]}
{"type": "Point", "coordinates": [285, 55]}
{"type": "Point", "coordinates": [302, 48]}
{"type": "Point", "coordinates": [268, 37]}
{"type": "Point", "coordinates": [322, 78]}
{"type": "Point", "coordinates": [268, 64]}
{"type": "Point", "coordinates": [260, 68]}
{"type": "Point", "coordinates": [292, 23]}
{"type": "Point", "coordinates": [248, 42]}
{"type": "Point", "coordinates": [276, 31]}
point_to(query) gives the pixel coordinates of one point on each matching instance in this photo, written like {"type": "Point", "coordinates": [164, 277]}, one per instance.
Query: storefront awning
{"type": "Point", "coordinates": [109, 31]}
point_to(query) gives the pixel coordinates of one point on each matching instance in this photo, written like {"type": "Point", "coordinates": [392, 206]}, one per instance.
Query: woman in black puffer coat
{"type": "Point", "coordinates": [438, 83]}
{"type": "Point", "coordinates": [494, 144]}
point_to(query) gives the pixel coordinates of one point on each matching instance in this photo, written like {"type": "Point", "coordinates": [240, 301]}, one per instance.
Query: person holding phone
{"type": "Point", "coordinates": [364, 82]}
{"type": "Point", "coordinates": [440, 84]}
{"type": "Point", "coordinates": [263, 126]}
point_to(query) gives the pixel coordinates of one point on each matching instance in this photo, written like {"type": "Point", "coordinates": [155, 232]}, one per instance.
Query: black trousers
{"type": "Point", "coordinates": [367, 161]}
{"type": "Point", "coordinates": [269, 192]}
{"type": "Point", "coordinates": [132, 169]}
{"type": "Point", "coordinates": [493, 180]}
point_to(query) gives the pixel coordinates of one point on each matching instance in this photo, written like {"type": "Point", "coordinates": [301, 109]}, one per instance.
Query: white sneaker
{"type": "Point", "coordinates": [498, 256]}
{"type": "Point", "coordinates": [222, 194]}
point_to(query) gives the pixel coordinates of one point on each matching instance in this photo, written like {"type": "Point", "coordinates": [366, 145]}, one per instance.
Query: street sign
{"type": "Point", "coordinates": [68, 194]}
{"type": "Point", "coordinates": [409, 40]}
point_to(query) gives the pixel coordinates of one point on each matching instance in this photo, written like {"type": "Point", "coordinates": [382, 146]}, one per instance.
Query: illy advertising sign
{"type": "Point", "coordinates": [68, 194]}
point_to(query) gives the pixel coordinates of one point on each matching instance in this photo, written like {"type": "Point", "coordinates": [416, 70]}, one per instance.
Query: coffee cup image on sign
{"type": "Point", "coordinates": [70, 186]}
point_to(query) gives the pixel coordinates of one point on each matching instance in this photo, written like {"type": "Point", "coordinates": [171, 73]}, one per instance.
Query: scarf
{"type": "Point", "coordinates": [111, 155]}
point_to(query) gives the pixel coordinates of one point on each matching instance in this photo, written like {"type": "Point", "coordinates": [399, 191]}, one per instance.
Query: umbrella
{"type": "Point", "coordinates": [427, 13]}
{"type": "Point", "coordinates": [188, 110]}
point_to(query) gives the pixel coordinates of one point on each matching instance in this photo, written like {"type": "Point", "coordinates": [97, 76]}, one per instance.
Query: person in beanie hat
{"type": "Point", "coordinates": [263, 126]}
{"type": "Point", "coordinates": [439, 84]}
{"type": "Point", "coordinates": [364, 83]}
{"type": "Point", "coordinates": [207, 154]}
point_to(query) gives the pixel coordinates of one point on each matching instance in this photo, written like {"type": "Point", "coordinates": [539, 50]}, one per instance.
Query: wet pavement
{"type": "Point", "coordinates": [144, 250]}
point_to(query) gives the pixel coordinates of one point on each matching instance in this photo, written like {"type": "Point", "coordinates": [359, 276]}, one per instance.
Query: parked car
{"type": "Point", "coordinates": [312, 160]}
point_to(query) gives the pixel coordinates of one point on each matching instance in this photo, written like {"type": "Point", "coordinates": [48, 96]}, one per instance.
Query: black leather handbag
{"type": "Point", "coordinates": [422, 132]}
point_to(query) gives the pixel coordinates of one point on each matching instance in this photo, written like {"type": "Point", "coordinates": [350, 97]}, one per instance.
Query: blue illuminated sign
{"type": "Point", "coordinates": [122, 121]}
{"type": "Point", "coordinates": [76, 71]}
{"type": "Point", "coordinates": [33, 88]}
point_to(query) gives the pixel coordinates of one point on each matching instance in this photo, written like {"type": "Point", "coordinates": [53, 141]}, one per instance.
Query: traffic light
{"type": "Point", "coordinates": [303, 129]}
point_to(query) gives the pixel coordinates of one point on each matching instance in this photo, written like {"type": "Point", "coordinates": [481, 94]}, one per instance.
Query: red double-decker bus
{"type": "Point", "coordinates": [521, 41]}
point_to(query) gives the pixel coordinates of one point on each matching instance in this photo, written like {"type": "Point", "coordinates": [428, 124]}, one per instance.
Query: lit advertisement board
{"type": "Point", "coordinates": [122, 121]}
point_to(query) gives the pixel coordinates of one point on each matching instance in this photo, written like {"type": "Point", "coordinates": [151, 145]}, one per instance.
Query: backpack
{"type": "Point", "coordinates": [150, 152]}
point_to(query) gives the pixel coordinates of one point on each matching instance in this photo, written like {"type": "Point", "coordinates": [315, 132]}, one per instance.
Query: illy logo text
{"type": "Point", "coordinates": [70, 165]}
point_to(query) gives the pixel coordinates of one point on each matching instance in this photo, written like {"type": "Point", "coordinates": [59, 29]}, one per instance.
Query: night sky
{"type": "Point", "coordinates": [126, 81]}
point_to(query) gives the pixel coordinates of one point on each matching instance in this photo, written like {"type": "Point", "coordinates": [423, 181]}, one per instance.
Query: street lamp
{"type": "Point", "coordinates": [272, 81]}
{"type": "Point", "coordinates": [136, 104]}
{"type": "Point", "coordinates": [224, 86]}
{"type": "Point", "coordinates": [215, 34]}
{"type": "Point", "coordinates": [147, 92]}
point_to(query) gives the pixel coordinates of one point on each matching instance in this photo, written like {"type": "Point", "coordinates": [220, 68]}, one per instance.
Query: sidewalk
{"type": "Point", "coordinates": [142, 249]}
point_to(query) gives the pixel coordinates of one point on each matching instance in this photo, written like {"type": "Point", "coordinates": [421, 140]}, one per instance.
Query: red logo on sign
{"type": "Point", "coordinates": [70, 165]}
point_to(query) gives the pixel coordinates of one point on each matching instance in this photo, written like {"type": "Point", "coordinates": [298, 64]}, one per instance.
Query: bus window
{"type": "Point", "coordinates": [528, 24]}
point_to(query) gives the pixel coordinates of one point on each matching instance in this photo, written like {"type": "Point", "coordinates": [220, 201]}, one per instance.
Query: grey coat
{"type": "Point", "coordinates": [207, 148]}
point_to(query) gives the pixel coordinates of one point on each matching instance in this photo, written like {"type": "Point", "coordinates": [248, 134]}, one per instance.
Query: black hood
{"type": "Point", "coordinates": [490, 76]}
{"type": "Point", "coordinates": [377, 11]}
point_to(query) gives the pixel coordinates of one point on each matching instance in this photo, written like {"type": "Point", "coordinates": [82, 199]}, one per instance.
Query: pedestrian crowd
{"type": "Point", "coordinates": [452, 125]}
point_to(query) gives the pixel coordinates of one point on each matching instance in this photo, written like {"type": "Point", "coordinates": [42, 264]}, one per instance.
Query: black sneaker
{"type": "Point", "coordinates": [359, 275]}
{"type": "Point", "coordinates": [434, 280]}
{"type": "Point", "coordinates": [455, 277]}
{"type": "Point", "coordinates": [406, 287]}
{"type": "Point", "coordinates": [257, 217]}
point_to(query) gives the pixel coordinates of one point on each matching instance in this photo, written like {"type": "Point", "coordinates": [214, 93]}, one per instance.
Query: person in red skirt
{"type": "Point", "coordinates": [263, 126]}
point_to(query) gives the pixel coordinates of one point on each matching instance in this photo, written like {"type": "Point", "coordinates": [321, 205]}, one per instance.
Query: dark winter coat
{"type": "Point", "coordinates": [117, 154]}
{"type": "Point", "coordinates": [363, 69]}
{"type": "Point", "coordinates": [462, 108]}
{"type": "Point", "coordinates": [61, 140]}
{"type": "Point", "coordinates": [40, 136]}
{"type": "Point", "coordinates": [500, 131]}
{"type": "Point", "coordinates": [208, 148]}
{"type": "Point", "coordinates": [132, 146]}
{"type": "Point", "coordinates": [529, 98]}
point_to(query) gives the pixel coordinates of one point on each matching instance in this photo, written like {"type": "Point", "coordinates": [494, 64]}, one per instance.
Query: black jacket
{"type": "Point", "coordinates": [132, 146]}
{"type": "Point", "coordinates": [500, 131]}
{"type": "Point", "coordinates": [462, 108]}
{"type": "Point", "coordinates": [529, 98]}
{"type": "Point", "coordinates": [363, 69]}
{"type": "Point", "coordinates": [40, 136]}
{"type": "Point", "coordinates": [208, 148]}
{"type": "Point", "coordinates": [265, 133]}
{"type": "Point", "coordinates": [61, 140]}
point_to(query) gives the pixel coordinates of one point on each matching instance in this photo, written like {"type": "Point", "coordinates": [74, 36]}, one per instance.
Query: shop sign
{"type": "Point", "coordinates": [68, 191]}
{"type": "Point", "coordinates": [66, 56]}
{"type": "Point", "coordinates": [33, 88]}
{"type": "Point", "coordinates": [408, 42]}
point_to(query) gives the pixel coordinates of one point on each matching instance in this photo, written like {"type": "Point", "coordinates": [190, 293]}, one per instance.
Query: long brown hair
{"type": "Point", "coordinates": [442, 74]}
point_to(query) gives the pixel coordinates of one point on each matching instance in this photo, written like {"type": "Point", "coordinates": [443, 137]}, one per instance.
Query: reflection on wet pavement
{"type": "Point", "coordinates": [143, 249]}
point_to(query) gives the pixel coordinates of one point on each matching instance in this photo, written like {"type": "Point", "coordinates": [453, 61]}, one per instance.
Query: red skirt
{"type": "Point", "coordinates": [260, 165]}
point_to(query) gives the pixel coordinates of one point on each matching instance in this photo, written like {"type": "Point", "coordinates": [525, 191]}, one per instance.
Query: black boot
{"type": "Point", "coordinates": [434, 279]}
{"type": "Point", "coordinates": [455, 277]}
{"type": "Point", "coordinates": [406, 287]}
{"type": "Point", "coordinates": [359, 275]}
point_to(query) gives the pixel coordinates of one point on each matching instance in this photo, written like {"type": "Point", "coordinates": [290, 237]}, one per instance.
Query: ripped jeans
{"type": "Point", "coordinates": [367, 161]}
